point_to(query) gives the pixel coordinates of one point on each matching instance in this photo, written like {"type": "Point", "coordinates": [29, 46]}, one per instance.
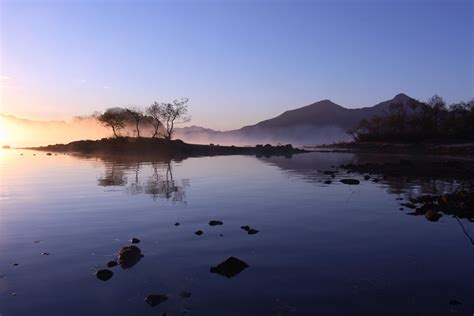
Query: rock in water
{"type": "Point", "coordinates": [154, 299]}
{"type": "Point", "coordinates": [230, 267]}
{"type": "Point", "coordinates": [176, 224]}
{"type": "Point", "coordinates": [104, 274]}
{"type": "Point", "coordinates": [327, 182]}
{"type": "Point", "coordinates": [252, 231]}
{"type": "Point", "coordinates": [199, 232]}
{"type": "Point", "coordinates": [129, 256]}
{"type": "Point", "coordinates": [214, 223]}
{"type": "Point", "coordinates": [350, 181]}
{"type": "Point", "coordinates": [134, 240]}
{"type": "Point", "coordinates": [432, 216]}
{"type": "Point", "coordinates": [246, 228]}
{"type": "Point", "coordinates": [112, 263]}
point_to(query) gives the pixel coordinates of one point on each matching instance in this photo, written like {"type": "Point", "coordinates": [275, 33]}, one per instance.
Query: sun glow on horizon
{"type": "Point", "coordinates": [3, 133]}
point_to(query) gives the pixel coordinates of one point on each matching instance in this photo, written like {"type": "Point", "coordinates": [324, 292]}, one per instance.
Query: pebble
{"type": "Point", "coordinates": [104, 274]}
{"type": "Point", "coordinates": [154, 299]}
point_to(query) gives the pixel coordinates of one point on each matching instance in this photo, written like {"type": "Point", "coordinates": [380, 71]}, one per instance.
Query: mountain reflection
{"type": "Point", "coordinates": [154, 178]}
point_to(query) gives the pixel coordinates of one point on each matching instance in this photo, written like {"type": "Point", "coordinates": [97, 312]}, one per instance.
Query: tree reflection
{"type": "Point", "coordinates": [157, 180]}
{"type": "Point", "coordinates": [114, 176]}
{"type": "Point", "coordinates": [164, 186]}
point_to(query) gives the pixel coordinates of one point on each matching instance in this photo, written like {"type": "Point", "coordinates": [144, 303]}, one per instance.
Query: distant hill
{"type": "Point", "coordinates": [321, 122]}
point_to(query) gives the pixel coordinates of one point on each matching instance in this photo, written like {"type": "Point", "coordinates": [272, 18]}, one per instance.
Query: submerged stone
{"type": "Point", "coordinates": [45, 253]}
{"type": "Point", "coordinates": [350, 181]}
{"type": "Point", "coordinates": [129, 256]}
{"type": "Point", "coordinates": [134, 240]}
{"type": "Point", "coordinates": [155, 299]}
{"type": "Point", "coordinates": [367, 177]}
{"type": "Point", "coordinates": [214, 223]}
{"type": "Point", "coordinates": [246, 228]}
{"type": "Point", "coordinates": [104, 274]}
{"type": "Point", "coordinates": [433, 216]}
{"type": "Point", "coordinates": [112, 263]}
{"type": "Point", "coordinates": [176, 224]}
{"type": "Point", "coordinates": [252, 231]}
{"type": "Point", "coordinates": [230, 267]}
{"type": "Point", "coordinates": [199, 232]}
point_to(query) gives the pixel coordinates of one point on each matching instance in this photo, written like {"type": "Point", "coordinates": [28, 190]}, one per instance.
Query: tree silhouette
{"type": "Point", "coordinates": [172, 114]}
{"type": "Point", "coordinates": [137, 116]}
{"type": "Point", "coordinates": [115, 118]}
{"type": "Point", "coordinates": [154, 111]}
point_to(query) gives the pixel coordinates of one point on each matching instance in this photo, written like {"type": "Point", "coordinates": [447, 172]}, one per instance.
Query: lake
{"type": "Point", "coordinates": [321, 249]}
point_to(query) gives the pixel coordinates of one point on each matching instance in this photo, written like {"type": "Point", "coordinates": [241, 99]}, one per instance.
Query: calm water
{"type": "Point", "coordinates": [321, 250]}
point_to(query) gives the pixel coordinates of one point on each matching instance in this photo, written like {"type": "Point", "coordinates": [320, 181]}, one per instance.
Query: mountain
{"type": "Point", "coordinates": [320, 122]}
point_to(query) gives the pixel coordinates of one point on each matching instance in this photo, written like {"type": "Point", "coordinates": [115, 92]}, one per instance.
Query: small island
{"type": "Point", "coordinates": [166, 148]}
{"type": "Point", "coordinates": [162, 118]}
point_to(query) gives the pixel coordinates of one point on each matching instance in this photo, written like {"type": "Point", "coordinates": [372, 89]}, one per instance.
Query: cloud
{"type": "Point", "coordinates": [82, 81]}
{"type": "Point", "coordinates": [107, 87]}
{"type": "Point", "coordinates": [4, 78]}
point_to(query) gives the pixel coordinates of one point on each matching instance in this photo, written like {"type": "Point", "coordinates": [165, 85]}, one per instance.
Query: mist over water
{"type": "Point", "coordinates": [30, 133]}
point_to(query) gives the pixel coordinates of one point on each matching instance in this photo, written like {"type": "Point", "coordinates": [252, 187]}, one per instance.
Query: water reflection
{"type": "Point", "coordinates": [319, 168]}
{"type": "Point", "coordinates": [154, 178]}
{"type": "Point", "coordinates": [325, 170]}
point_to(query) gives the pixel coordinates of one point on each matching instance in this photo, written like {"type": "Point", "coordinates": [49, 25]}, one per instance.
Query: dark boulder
{"type": "Point", "coordinates": [246, 228]}
{"type": "Point", "coordinates": [230, 267]}
{"type": "Point", "coordinates": [135, 240]}
{"type": "Point", "coordinates": [104, 274]}
{"type": "Point", "coordinates": [199, 232]}
{"type": "Point", "coordinates": [155, 299]}
{"type": "Point", "coordinates": [252, 231]}
{"type": "Point", "coordinates": [350, 181]}
{"type": "Point", "coordinates": [214, 223]}
{"type": "Point", "coordinates": [129, 256]}
{"type": "Point", "coordinates": [433, 216]}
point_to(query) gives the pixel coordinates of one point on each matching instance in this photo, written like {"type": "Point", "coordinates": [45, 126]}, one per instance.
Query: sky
{"type": "Point", "coordinates": [238, 62]}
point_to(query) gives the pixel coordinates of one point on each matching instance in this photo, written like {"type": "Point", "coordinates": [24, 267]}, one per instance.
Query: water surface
{"type": "Point", "coordinates": [321, 249]}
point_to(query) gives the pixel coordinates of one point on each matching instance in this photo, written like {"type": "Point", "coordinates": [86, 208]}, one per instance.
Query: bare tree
{"type": "Point", "coordinates": [154, 111]}
{"type": "Point", "coordinates": [172, 114]}
{"type": "Point", "coordinates": [116, 118]}
{"type": "Point", "coordinates": [437, 105]}
{"type": "Point", "coordinates": [136, 114]}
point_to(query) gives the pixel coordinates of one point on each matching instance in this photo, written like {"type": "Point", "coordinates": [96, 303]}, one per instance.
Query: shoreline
{"type": "Point", "coordinates": [170, 149]}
